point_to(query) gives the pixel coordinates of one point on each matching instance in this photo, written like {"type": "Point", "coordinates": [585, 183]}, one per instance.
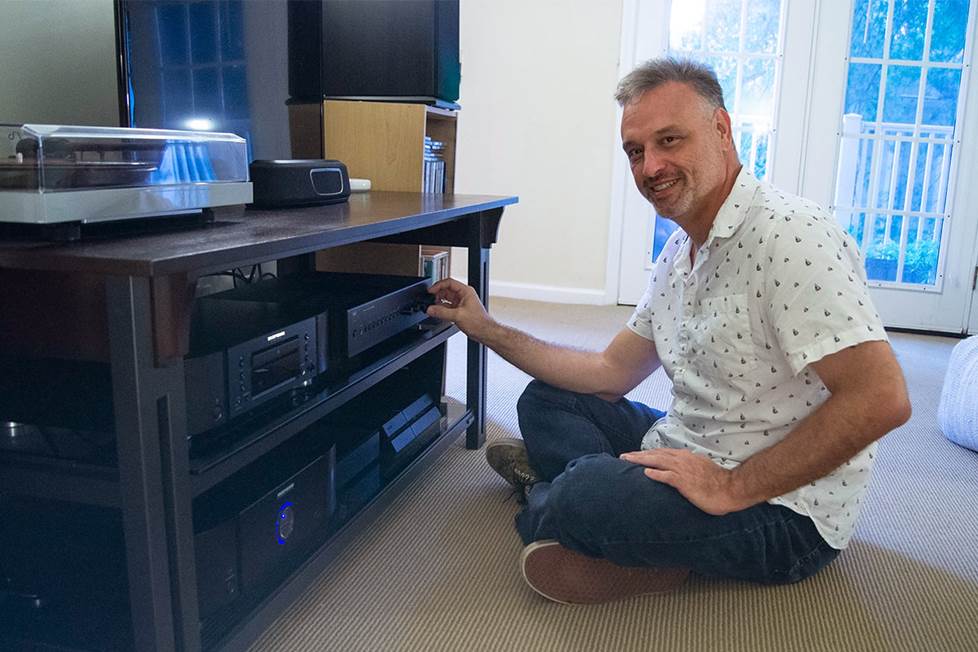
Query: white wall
{"type": "Point", "coordinates": [57, 62]}
{"type": "Point", "coordinates": [538, 121]}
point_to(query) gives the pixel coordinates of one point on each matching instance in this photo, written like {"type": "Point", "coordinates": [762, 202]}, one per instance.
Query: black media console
{"type": "Point", "coordinates": [133, 530]}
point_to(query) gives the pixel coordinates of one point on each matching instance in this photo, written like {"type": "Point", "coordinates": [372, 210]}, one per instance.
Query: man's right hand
{"type": "Point", "coordinates": [458, 303]}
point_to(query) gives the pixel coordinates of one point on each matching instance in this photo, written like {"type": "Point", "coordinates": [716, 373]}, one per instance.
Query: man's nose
{"type": "Point", "coordinates": [652, 165]}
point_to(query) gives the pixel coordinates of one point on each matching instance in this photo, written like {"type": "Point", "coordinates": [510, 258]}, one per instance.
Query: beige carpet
{"type": "Point", "coordinates": [439, 570]}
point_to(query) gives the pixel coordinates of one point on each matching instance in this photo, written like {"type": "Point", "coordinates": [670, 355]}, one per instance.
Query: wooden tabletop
{"type": "Point", "coordinates": [256, 235]}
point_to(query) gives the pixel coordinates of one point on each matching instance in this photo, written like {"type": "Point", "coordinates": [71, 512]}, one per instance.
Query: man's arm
{"type": "Point", "coordinates": [610, 374]}
{"type": "Point", "coordinates": [869, 398]}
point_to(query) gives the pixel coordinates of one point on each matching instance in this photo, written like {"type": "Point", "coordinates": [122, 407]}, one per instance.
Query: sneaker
{"type": "Point", "coordinates": [507, 457]}
{"type": "Point", "coordinates": [569, 577]}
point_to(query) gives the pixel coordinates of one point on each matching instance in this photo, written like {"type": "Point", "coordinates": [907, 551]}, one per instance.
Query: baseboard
{"type": "Point", "coordinates": [548, 293]}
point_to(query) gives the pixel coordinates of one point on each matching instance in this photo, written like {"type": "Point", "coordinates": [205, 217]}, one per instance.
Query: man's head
{"type": "Point", "coordinates": [676, 133]}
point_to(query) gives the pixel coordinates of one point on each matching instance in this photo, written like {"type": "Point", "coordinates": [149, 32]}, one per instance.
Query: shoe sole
{"type": "Point", "coordinates": [567, 577]}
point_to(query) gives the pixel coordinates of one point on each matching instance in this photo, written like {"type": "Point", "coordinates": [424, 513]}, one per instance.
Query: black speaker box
{"type": "Point", "coordinates": [299, 182]}
{"type": "Point", "coordinates": [405, 49]}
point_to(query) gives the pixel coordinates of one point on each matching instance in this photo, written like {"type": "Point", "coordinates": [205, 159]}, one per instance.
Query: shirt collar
{"type": "Point", "coordinates": [734, 209]}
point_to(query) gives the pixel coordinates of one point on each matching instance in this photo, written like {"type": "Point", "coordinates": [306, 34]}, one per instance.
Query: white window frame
{"type": "Point", "coordinates": [849, 140]}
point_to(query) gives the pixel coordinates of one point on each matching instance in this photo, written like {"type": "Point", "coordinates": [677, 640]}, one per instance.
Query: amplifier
{"type": "Point", "coordinates": [245, 353]}
{"type": "Point", "coordinates": [363, 310]}
{"type": "Point", "coordinates": [259, 525]}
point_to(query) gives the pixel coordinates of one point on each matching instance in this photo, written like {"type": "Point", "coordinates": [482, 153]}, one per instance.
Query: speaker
{"type": "Point", "coordinates": [398, 49]}
{"type": "Point", "coordinates": [301, 182]}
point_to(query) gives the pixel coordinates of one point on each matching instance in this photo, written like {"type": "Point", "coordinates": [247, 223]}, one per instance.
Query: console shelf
{"type": "Point", "coordinates": [123, 299]}
{"type": "Point", "coordinates": [74, 482]}
{"type": "Point", "coordinates": [234, 630]}
{"type": "Point", "coordinates": [251, 441]}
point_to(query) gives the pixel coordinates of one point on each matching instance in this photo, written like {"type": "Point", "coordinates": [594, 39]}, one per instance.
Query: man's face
{"type": "Point", "coordinates": [676, 145]}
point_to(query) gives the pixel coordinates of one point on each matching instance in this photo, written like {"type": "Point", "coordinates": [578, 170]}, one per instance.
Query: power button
{"type": "Point", "coordinates": [285, 522]}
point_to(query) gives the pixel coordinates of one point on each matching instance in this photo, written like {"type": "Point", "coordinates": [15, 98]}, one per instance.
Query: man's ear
{"type": "Point", "coordinates": [721, 122]}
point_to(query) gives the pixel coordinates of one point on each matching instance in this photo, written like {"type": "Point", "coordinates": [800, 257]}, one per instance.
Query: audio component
{"type": "Point", "coordinates": [302, 182]}
{"type": "Point", "coordinates": [245, 353]}
{"type": "Point", "coordinates": [363, 310]}
{"type": "Point", "coordinates": [259, 525]}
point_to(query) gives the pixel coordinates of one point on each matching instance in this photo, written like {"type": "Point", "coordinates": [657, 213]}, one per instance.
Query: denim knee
{"type": "Point", "coordinates": [582, 498]}
{"type": "Point", "coordinates": [536, 392]}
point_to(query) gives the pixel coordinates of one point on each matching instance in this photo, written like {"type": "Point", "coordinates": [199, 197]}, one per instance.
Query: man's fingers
{"type": "Point", "coordinates": [441, 312]}
{"type": "Point", "coordinates": [447, 285]}
{"type": "Point", "coordinates": [666, 477]}
{"type": "Point", "coordinates": [659, 457]}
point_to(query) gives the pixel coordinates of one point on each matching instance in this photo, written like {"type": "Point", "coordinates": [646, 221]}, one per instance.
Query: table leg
{"type": "Point", "coordinates": [156, 513]}
{"type": "Point", "coordinates": [475, 393]}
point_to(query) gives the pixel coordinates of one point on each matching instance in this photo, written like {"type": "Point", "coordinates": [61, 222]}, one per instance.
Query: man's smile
{"type": "Point", "coordinates": [662, 186]}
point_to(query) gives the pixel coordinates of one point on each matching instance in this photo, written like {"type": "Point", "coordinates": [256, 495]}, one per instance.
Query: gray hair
{"type": "Point", "coordinates": [655, 72]}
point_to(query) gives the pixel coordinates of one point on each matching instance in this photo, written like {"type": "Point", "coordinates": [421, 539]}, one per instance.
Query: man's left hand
{"type": "Point", "coordinates": [703, 483]}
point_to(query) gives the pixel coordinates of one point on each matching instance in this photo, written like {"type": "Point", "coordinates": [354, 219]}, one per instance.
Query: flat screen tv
{"type": "Point", "coordinates": [209, 65]}
{"type": "Point", "coordinates": [237, 65]}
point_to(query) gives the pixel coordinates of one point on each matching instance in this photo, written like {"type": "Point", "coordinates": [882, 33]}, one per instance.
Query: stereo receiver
{"type": "Point", "coordinates": [363, 310]}
{"type": "Point", "coordinates": [245, 353]}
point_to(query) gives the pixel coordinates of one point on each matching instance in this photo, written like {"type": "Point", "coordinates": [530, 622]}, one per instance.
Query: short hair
{"type": "Point", "coordinates": [655, 72]}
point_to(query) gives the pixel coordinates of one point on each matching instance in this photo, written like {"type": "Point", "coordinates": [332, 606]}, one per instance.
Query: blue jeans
{"type": "Point", "coordinates": [601, 506]}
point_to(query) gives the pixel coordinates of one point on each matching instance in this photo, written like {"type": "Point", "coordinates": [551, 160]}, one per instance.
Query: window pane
{"type": "Point", "coordinates": [862, 90]}
{"type": "Point", "coordinates": [722, 26]}
{"type": "Point", "coordinates": [760, 162]}
{"type": "Point", "coordinates": [177, 96]}
{"type": "Point", "coordinates": [922, 254]}
{"type": "Point", "coordinates": [868, 28]}
{"type": "Point", "coordinates": [902, 88]}
{"type": "Point", "coordinates": [902, 150]}
{"type": "Point", "coordinates": [856, 226]}
{"type": "Point", "coordinates": [757, 88]}
{"type": "Point", "coordinates": [172, 22]}
{"type": "Point", "coordinates": [663, 229]}
{"type": "Point", "coordinates": [909, 25]}
{"type": "Point", "coordinates": [940, 164]}
{"type": "Point", "coordinates": [950, 23]}
{"type": "Point", "coordinates": [726, 70]}
{"type": "Point", "coordinates": [207, 94]}
{"type": "Point", "coordinates": [763, 26]}
{"type": "Point", "coordinates": [203, 33]}
{"type": "Point", "coordinates": [941, 96]}
{"type": "Point", "coordinates": [236, 92]}
{"type": "Point", "coordinates": [232, 30]}
{"type": "Point", "coordinates": [882, 256]}
{"type": "Point", "coordinates": [884, 174]}
{"type": "Point", "coordinates": [686, 25]}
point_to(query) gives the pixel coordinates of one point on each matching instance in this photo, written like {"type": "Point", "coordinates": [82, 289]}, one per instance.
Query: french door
{"type": "Point", "coordinates": [869, 121]}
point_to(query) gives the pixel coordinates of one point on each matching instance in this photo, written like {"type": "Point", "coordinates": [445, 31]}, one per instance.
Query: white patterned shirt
{"type": "Point", "coordinates": [776, 286]}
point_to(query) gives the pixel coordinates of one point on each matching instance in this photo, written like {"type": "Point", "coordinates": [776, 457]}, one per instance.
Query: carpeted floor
{"type": "Point", "coordinates": [439, 570]}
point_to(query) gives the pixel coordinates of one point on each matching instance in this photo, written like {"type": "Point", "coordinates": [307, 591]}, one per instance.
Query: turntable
{"type": "Point", "coordinates": [55, 174]}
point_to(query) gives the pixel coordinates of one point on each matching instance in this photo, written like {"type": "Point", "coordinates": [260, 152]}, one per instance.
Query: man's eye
{"type": "Point", "coordinates": [634, 154]}
{"type": "Point", "coordinates": [669, 140]}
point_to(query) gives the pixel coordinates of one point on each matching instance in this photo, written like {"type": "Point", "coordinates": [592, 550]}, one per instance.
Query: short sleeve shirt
{"type": "Point", "coordinates": [777, 286]}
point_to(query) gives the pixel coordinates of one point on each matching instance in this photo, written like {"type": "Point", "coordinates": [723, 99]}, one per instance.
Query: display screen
{"type": "Point", "coordinates": [275, 365]}
{"type": "Point", "coordinates": [212, 65]}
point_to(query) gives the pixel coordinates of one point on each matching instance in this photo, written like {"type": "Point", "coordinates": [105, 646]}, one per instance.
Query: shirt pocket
{"type": "Point", "coordinates": [722, 345]}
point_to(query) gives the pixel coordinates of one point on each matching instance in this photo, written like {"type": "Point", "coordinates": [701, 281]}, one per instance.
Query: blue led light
{"type": "Point", "coordinates": [285, 515]}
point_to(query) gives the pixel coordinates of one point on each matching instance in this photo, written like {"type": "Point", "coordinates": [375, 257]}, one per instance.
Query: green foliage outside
{"type": "Point", "coordinates": [919, 262]}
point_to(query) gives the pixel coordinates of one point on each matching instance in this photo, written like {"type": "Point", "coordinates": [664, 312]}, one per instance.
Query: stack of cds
{"type": "Point", "coordinates": [433, 179]}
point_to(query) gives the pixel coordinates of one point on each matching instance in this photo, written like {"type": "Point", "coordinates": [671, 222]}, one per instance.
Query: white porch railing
{"type": "Point", "coordinates": [893, 172]}
{"type": "Point", "coordinates": [753, 138]}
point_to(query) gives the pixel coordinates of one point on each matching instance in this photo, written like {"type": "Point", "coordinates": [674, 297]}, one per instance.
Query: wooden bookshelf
{"type": "Point", "coordinates": [384, 142]}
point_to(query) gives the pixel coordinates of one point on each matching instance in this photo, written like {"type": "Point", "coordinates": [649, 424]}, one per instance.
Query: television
{"type": "Point", "coordinates": [251, 66]}
{"type": "Point", "coordinates": [212, 65]}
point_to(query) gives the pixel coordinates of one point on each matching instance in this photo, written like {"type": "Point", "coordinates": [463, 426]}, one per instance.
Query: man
{"type": "Point", "coordinates": [782, 380]}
